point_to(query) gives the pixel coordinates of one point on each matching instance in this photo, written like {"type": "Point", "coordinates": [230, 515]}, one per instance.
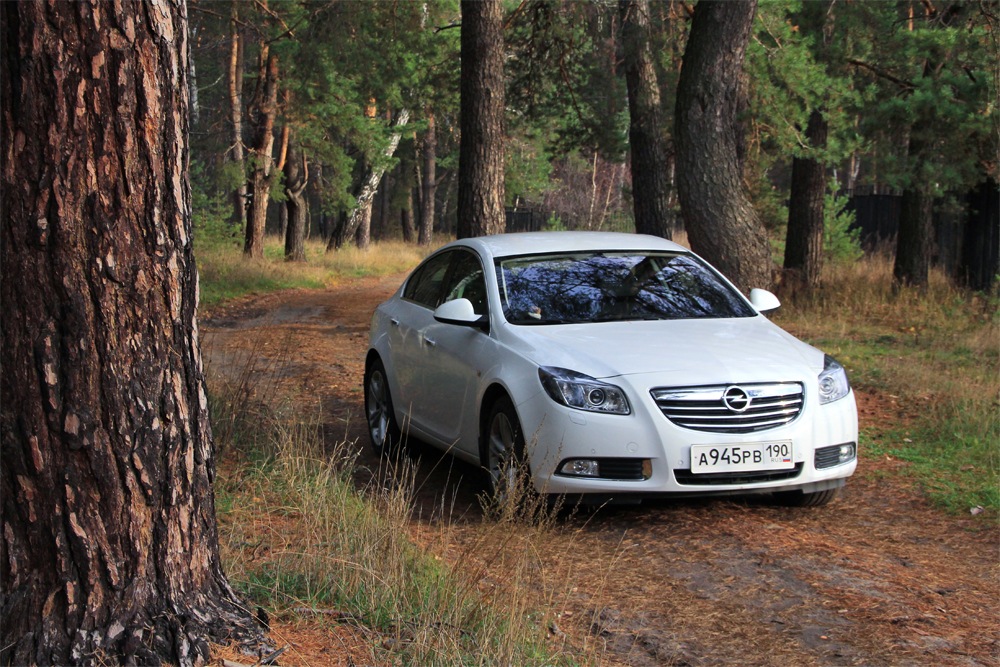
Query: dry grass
{"type": "Point", "coordinates": [300, 540]}
{"type": "Point", "coordinates": [226, 274]}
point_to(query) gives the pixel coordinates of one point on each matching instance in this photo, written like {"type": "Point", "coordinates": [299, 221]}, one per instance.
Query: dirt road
{"type": "Point", "coordinates": [876, 578]}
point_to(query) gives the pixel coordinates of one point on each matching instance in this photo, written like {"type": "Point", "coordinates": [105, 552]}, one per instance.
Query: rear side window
{"type": "Point", "coordinates": [424, 286]}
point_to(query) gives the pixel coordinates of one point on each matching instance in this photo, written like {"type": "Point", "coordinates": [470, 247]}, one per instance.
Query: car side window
{"type": "Point", "coordinates": [424, 286]}
{"type": "Point", "coordinates": [465, 280]}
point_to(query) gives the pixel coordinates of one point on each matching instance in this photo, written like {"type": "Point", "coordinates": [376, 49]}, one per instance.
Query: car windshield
{"type": "Point", "coordinates": [613, 287]}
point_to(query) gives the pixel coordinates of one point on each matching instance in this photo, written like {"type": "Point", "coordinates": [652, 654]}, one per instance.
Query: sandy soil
{"type": "Point", "coordinates": [879, 577]}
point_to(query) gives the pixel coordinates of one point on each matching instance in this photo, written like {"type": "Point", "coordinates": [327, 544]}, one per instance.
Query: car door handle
{"type": "Point", "coordinates": [394, 322]}
{"type": "Point", "coordinates": [430, 341]}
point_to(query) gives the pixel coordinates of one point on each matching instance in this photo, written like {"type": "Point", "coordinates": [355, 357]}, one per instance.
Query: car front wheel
{"type": "Point", "coordinates": [382, 428]}
{"type": "Point", "coordinates": [503, 452]}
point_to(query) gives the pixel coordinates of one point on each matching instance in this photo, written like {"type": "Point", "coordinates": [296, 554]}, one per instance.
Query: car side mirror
{"type": "Point", "coordinates": [763, 301]}
{"type": "Point", "coordinates": [460, 312]}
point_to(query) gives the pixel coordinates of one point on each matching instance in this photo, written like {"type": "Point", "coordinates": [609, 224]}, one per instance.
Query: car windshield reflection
{"type": "Point", "coordinates": [613, 287]}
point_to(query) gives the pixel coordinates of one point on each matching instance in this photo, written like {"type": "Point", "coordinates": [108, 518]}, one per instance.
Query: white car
{"type": "Point", "coordinates": [616, 366]}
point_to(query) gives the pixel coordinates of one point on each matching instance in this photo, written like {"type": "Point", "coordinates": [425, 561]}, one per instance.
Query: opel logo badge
{"type": "Point", "coordinates": [736, 399]}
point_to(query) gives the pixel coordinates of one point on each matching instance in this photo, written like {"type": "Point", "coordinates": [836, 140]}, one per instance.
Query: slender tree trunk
{"type": "Point", "coordinates": [193, 104]}
{"type": "Point", "coordinates": [446, 200]}
{"type": "Point", "coordinates": [234, 82]}
{"type": "Point", "coordinates": [721, 223]}
{"type": "Point", "coordinates": [296, 179]}
{"type": "Point", "coordinates": [369, 186]}
{"type": "Point", "coordinates": [363, 234]}
{"type": "Point", "coordinates": [265, 110]}
{"type": "Point", "coordinates": [481, 150]}
{"type": "Point", "coordinates": [406, 217]}
{"type": "Point", "coordinates": [430, 184]}
{"type": "Point", "coordinates": [651, 183]}
{"type": "Point", "coordinates": [110, 544]}
{"type": "Point", "coordinates": [804, 240]}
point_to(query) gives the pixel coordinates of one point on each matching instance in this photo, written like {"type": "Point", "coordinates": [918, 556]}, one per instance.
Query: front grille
{"type": "Point", "coordinates": [719, 478]}
{"type": "Point", "coordinates": [758, 407]}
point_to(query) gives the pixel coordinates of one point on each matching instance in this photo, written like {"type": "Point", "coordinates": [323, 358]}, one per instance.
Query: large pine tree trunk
{"type": "Point", "coordinates": [804, 240]}
{"type": "Point", "coordinates": [651, 177]}
{"type": "Point", "coordinates": [264, 113]}
{"type": "Point", "coordinates": [722, 224]}
{"type": "Point", "coordinates": [481, 149]}
{"type": "Point", "coordinates": [109, 546]}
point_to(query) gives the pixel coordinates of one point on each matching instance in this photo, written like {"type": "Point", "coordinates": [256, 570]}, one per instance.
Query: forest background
{"type": "Point", "coordinates": [317, 102]}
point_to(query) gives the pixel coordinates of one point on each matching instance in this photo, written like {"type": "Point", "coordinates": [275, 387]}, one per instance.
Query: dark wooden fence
{"type": "Point", "coordinates": [967, 241]}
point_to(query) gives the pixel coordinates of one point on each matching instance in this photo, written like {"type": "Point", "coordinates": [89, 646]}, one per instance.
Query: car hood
{"type": "Point", "coordinates": [716, 350]}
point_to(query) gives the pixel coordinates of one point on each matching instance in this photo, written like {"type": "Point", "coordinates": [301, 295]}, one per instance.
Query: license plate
{"type": "Point", "coordinates": [741, 458]}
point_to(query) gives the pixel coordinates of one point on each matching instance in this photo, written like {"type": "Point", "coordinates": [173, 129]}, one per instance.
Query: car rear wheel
{"type": "Point", "coordinates": [802, 499]}
{"type": "Point", "coordinates": [382, 428]}
{"type": "Point", "coordinates": [503, 457]}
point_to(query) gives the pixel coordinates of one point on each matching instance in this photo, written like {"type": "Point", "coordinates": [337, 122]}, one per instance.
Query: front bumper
{"type": "Point", "coordinates": [647, 440]}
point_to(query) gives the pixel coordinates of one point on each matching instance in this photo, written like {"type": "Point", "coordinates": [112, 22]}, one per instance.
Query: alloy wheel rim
{"type": "Point", "coordinates": [378, 412]}
{"type": "Point", "coordinates": [501, 444]}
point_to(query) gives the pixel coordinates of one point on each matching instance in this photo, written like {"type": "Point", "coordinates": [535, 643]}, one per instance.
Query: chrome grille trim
{"type": "Point", "coordinates": [772, 405]}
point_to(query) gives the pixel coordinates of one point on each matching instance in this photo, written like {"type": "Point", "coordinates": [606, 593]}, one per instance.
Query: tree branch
{"type": "Point", "coordinates": [902, 83]}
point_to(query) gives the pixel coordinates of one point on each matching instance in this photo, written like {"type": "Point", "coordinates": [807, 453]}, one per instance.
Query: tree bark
{"type": "Point", "coordinates": [804, 239]}
{"type": "Point", "coordinates": [406, 217]}
{"type": "Point", "coordinates": [363, 234]}
{"type": "Point", "coordinates": [296, 179]}
{"type": "Point", "coordinates": [234, 82]}
{"type": "Point", "coordinates": [650, 159]}
{"type": "Point", "coordinates": [263, 114]}
{"type": "Point", "coordinates": [481, 148]}
{"type": "Point", "coordinates": [915, 239]}
{"type": "Point", "coordinates": [429, 184]}
{"type": "Point", "coordinates": [722, 225]}
{"type": "Point", "coordinates": [110, 544]}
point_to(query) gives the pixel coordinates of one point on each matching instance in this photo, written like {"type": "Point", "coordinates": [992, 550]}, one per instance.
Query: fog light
{"type": "Point", "coordinates": [647, 468]}
{"type": "Point", "coordinates": [846, 453]}
{"type": "Point", "coordinates": [580, 468]}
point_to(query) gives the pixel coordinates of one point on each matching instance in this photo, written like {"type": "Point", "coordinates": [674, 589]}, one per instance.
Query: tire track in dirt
{"type": "Point", "coordinates": [876, 578]}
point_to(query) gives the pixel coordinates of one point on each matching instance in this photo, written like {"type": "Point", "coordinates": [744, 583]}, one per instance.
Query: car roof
{"type": "Point", "coordinates": [523, 243]}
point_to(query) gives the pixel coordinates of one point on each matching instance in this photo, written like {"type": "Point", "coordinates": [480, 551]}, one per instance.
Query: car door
{"type": "Point", "coordinates": [455, 358]}
{"type": "Point", "coordinates": [408, 319]}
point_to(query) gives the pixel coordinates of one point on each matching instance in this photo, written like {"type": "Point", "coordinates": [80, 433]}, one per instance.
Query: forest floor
{"type": "Point", "coordinates": [878, 577]}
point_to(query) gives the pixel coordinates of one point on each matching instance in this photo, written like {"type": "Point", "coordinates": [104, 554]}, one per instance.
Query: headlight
{"type": "Point", "coordinates": [582, 392]}
{"type": "Point", "coordinates": [833, 384]}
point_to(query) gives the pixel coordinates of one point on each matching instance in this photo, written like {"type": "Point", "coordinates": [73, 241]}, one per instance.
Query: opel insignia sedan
{"type": "Point", "coordinates": [610, 367]}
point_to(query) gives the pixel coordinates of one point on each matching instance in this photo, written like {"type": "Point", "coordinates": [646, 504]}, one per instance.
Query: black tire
{"type": "Point", "coordinates": [802, 499]}
{"type": "Point", "coordinates": [502, 452]}
{"type": "Point", "coordinates": [383, 431]}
